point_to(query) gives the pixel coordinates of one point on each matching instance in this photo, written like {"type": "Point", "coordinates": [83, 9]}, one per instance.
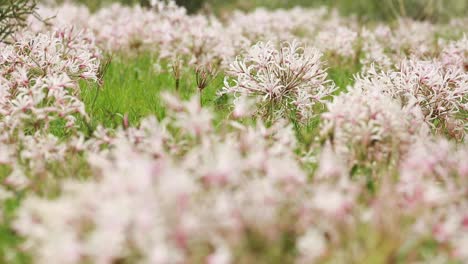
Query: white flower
{"type": "Point", "coordinates": [311, 246]}
{"type": "Point", "coordinates": [291, 78]}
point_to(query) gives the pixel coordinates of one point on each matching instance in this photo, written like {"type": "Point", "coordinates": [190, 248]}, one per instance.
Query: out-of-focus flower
{"type": "Point", "coordinates": [368, 126]}
{"type": "Point", "coordinates": [439, 92]}
{"type": "Point", "coordinates": [339, 40]}
{"type": "Point", "coordinates": [455, 53]}
{"type": "Point", "coordinates": [311, 246]}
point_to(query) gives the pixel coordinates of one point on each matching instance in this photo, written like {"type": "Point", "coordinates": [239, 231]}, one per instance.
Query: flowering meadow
{"type": "Point", "coordinates": [151, 135]}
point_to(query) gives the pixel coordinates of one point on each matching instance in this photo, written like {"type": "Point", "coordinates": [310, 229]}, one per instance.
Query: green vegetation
{"type": "Point", "coordinates": [370, 9]}
{"type": "Point", "coordinates": [434, 10]}
{"type": "Point", "coordinates": [132, 87]}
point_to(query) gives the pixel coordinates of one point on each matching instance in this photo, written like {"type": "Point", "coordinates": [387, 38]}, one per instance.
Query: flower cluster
{"type": "Point", "coordinates": [39, 78]}
{"type": "Point", "coordinates": [39, 90]}
{"type": "Point", "coordinates": [434, 179]}
{"type": "Point", "coordinates": [385, 46]}
{"type": "Point", "coordinates": [339, 40]}
{"type": "Point", "coordinates": [438, 91]}
{"type": "Point", "coordinates": [369, 126]}
{"type": "Point", "coordinates": [455, 54]}
{"type": "Point", "coordinates": [291, 78]}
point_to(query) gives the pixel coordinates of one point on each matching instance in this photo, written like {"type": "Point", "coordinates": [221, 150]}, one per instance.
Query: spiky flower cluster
{"type": "Point", "coordinates": [455, 54]}
{"type": "Point", "coordinates": [288, 80]}
{"type": "Point", "coordinates": [39, 78]}
{"type": "Point", "coordinates": [39, 75]}
{"type": "Point", "coordinates": [368, 126]}
{"type": "Point", "coordinates": [440, 92]}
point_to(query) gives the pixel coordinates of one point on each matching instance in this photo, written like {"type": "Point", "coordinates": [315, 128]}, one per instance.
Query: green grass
{"type": "Point", "coordinates": [10, 242]}
{"type": "Point", "coordinates": [132, 87]}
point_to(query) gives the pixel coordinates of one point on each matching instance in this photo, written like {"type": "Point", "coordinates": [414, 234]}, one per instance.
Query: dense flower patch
{"type": "Point", "coordinates": [384, 178]}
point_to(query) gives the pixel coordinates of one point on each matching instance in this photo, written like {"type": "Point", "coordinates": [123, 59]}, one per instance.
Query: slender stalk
{"type": "Point", "coordinates": [201, 97]}
{"type": "Point", "coordinates": [402, 8]}
{"type": "Point", "coordinates": [177, 84]}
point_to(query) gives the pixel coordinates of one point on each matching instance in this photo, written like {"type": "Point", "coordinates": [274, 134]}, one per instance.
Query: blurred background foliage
{"type": "Point", "coordinates": [433, 10]}
{"type": "Point", "coordinates": [13, 15]}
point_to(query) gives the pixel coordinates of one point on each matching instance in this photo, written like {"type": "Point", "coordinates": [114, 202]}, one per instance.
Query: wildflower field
{"type": "Point", "coordinates": [158, 134]}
